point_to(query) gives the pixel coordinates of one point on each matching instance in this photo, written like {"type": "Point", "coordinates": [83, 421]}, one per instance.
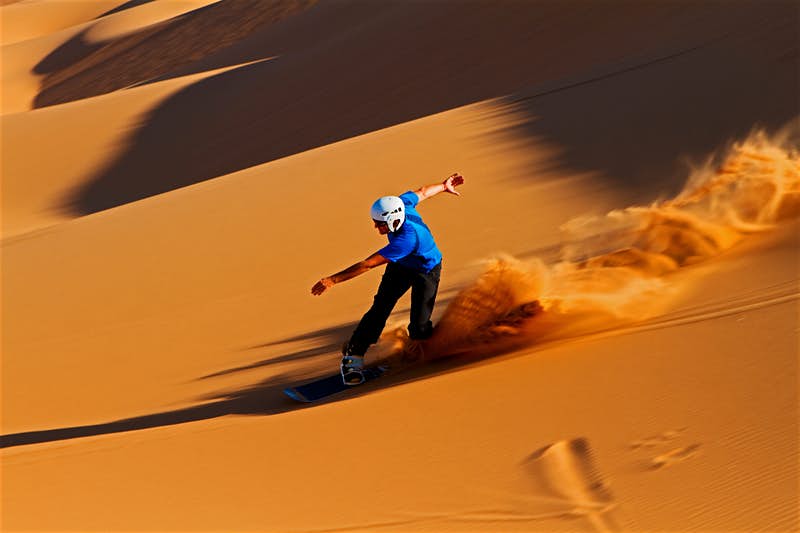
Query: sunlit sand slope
{"type": "Point", "coordinates": [183, 172]}
{"type": "Point", "coordinates": [661, 68]}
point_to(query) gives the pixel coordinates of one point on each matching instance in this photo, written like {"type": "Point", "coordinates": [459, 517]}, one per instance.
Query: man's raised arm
{"type": "Point", "coordinates": [448, 185]}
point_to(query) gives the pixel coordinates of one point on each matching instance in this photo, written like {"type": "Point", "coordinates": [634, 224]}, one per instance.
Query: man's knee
{"type": "Point", "coordinates": [381, 307]}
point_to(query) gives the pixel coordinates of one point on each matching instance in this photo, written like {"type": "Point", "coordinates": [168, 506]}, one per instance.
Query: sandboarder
{"type": "Point", "coordinates": [414, 261]}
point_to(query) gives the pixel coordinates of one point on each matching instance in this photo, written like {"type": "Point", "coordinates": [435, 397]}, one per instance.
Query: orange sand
{"type": "Point", "coordinates": [161, 236]}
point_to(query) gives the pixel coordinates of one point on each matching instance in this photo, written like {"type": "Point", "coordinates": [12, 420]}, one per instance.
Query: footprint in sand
{"type": "Point", "coordinates": [565, 472]}
{"type": "Point", "coordinates": [662, 440]}
{"type": "Point", "coordinates": [657, 440]}
{"type": "Point", "coordinates": [674, 456]}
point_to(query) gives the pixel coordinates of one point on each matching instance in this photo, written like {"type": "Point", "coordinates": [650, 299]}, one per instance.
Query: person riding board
{"type": "Point", "coordinates": [414, 261]}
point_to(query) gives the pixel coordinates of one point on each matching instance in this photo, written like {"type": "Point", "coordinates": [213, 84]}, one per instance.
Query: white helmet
{"type": "Point", "coordinates": [388, 209]}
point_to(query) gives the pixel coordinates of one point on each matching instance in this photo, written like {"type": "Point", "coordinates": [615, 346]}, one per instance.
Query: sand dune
{"type": "Point", "coordinates": [26, 20]}
{"type": "Point", "coordinates": [20, 81]}
{"type": "Point", "coordinates": [137, 18]}
{"type": "Point", "coordinates": [33, 61]}
{"type": "Point", "coordinates": [178, 174]}
{"type": "Point", "coordinates": [146, 41]}
{"type": "Point", "coordinates": [35, 188]}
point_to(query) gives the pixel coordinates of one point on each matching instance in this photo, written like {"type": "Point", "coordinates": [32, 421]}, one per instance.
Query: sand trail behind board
{"type": "Point", "coordinates": [615, 269]}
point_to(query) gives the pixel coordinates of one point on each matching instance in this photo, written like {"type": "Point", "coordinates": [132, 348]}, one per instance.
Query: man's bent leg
{"type": "Point", "coordinates": [395, 282]}
{"type": "Point", "coordinates": [423, 297]}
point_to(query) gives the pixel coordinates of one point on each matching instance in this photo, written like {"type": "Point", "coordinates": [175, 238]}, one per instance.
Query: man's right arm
{"type": "Point", "coordinates": [359, 268]}
{"type": "Point", "coordinates": [350, 272]}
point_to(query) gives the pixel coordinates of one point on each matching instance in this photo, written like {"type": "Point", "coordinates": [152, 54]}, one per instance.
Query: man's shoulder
{"type": "Point", "coordinates": [409, 198]}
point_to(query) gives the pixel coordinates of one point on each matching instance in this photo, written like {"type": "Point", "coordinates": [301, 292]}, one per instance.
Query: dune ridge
{"type": "Point", "coordinates": [59, 53]}
{"type": "Point", "coordinates": [27, 20]}
{"type": "Point", "coordinates": [140, 47]}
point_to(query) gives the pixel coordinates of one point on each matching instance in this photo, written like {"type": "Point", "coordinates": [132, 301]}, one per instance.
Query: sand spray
{"type": "Point", "coordinates": [615, 269]}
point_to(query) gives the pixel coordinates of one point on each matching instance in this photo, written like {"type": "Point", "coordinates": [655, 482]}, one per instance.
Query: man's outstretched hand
{"type": "Point", "coordinates": [452, 182]}
{"type": "Point", "coordinates": [321, 286]}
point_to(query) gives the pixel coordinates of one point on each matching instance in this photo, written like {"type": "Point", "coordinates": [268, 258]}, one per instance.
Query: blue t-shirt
{"type": "Point", "coordinates": [412, 246]}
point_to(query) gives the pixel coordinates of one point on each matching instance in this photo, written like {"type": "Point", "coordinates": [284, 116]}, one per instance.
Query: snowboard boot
{"type": "Point", "coordinates": [352, 365]}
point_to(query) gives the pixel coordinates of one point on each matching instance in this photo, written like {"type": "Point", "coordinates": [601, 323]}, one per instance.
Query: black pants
{"type": "Point", "coordinates": [395, 282]}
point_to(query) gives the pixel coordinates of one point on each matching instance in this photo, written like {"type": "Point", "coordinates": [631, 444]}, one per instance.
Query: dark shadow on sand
{"type": "Point", "coordinates": [122, 7]}
{"type": "Point", "coordinates": [263, 398]}
{"type": "Point", "coordinates": [76, 69]}
{"type": "Point", "coordinates": [72, 51]}
{"type": "Point", "coordinates": [644, 123]}
{"type": "Point", "coordinates": [399, 61]}
{"type": "Point", "coordinates": [326, 341]}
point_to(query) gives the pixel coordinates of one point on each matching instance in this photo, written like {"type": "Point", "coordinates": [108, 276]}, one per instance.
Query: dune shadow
{"type": "Point", "coordinates": [122, 7]}
{"type": "Point", "coordinates": [262, 398]}
{"type": "Point", "coordinates": [325, 341]}
{"type": "Point", "coordinates": [327, 85]}
{"type": "Point", "coordinates": [77, 69]}
{"type": "Point", "coordinates": [72, 51]}
{"type": "Point", "coordinates": [643, 122]}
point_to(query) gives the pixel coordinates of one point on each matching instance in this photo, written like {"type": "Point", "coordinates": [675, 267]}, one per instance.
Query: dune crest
{"type": "Point", "coordinates": [28, 20]}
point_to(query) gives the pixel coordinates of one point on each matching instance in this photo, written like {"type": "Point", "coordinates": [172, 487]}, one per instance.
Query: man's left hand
{"type": "Point", "coordinates": [452, 182]}
{"type": "Point", "coordinates": [321, 286]}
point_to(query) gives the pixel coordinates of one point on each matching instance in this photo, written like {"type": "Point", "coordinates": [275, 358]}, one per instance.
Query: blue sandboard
{"type": "Point", "coordinates": [329, 385]}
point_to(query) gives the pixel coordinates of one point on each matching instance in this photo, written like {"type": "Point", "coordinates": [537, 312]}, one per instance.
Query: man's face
{"type": "Point", "coordinates": [382, 227]}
